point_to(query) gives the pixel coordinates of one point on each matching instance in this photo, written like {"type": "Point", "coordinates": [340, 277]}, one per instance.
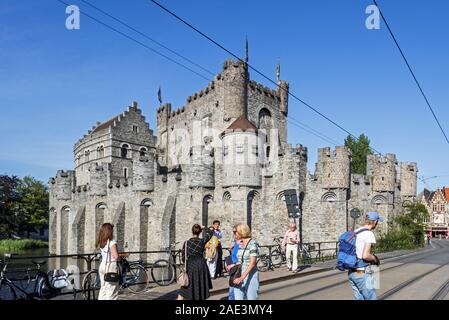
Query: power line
{"type": "Point", "coordinates": [411, 72]}
{"type": "Point", "coordinates": [137, 41]}
{"type": "Point", "coordinates": [297, 124]}
{"type": "Point", "coordinates": [261, 73]}
{"type": "Point", "coordinates": [147, 37]}
{"type": "Point", "coordinates": [253, 68]}
{"type": "Point", "coordinates": [292, 121]}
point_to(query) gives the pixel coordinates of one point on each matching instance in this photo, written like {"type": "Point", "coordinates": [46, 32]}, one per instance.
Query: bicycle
{"type": "Point", "coordinates": [163, 272]}
{"type": "Point", "coordinates": [273, 260]}
{"type": "Point", "coordinates": [44, 288]}
{"type": "Point", "coordinates": [132, 276]}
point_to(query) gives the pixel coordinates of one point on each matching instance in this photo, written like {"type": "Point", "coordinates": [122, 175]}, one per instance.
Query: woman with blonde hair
{"type": "Point", "coordinates": [109, 258]}
{"type": "Point", "coordinates": [246, 286]}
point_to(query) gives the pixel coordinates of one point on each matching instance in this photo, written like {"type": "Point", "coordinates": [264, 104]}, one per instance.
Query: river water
{"type": "Point", "coordinates": [19, 268]}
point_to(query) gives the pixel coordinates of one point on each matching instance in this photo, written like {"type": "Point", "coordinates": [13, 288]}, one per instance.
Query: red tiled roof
{"type": "Point", "coordinates": [241, 124]}
{"type": "Point", "coordinates": [105, 125]}
{"type": "Point", "coordinates": [446, 193]}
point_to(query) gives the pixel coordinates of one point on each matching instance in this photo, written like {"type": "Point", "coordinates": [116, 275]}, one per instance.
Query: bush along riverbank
{"type": "Point", "coordinates": [408, 230]}
{"type": "Point", "coordinates": [11, 245]}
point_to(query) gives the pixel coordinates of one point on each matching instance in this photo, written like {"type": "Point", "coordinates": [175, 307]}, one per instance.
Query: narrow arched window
{"type": "Point", "coordinates": [142, 151]}
{"type": "Point", "coordinates": [86, 155]}
{"type": "Point", "coordinates": [125, 173]}
{"type": "Point", "coordinates": [124, 151]}
{"type": "Point", "coordinates": [100, 152]}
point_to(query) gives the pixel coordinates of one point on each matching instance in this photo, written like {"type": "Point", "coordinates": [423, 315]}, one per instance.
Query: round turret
{"type": "Point", "coordinates": [241, 163]}
{"type": "Point", "coordinates": [202, 167]}
{"type": "Point", "coordinates": [143, 172]}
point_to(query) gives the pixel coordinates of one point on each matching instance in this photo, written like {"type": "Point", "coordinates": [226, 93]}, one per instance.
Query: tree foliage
{"type": "Point", "coordinates": [23, 205]}
{"type": "Point", "coordinates": [409, 229]}
{"type": "Point", "coordinates": [360, 149]}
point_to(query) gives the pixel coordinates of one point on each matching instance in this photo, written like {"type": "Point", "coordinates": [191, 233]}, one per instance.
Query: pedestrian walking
{"type": "Point", "coordinates": [109, 257]}
{"type": "Point", "coordinates": [212, 253]}
{"type": "Point", "coordinates": [361, 277]}
{"type": "Point", "coordinates": [233, 259]}
{"type": "Point", "coordinates": [219, 262]}
{"type": "Point", "coordinates": [246, 281]}
{"type": "Point", "coordinates": [290, 246]}
{"type": "Point", "coordinates": [199, 281]}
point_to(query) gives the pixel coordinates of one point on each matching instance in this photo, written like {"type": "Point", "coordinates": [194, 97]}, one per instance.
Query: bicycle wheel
{"type": "Point", "coordinates": [276, 258]}
{"type": "Point", "coordinates": [136, 278]}
{"type": "Point", "coordinates": [163, 272]}
{"type": "Point", "coordinates": [263, 264]}
{"type": "Point", "coordinates": [91, 285]}
{"type": "Point", "coordinates": [7, 292]}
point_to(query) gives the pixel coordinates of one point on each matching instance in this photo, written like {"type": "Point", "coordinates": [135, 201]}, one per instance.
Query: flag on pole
{"type": "Point", "coordinates": [159, 95]}
{"type": "Point", "coordinates": [246, 50]}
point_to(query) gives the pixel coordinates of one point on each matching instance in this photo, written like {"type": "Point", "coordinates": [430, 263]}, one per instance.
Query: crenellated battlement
{"type": "Point", "coordinates": [408, 178]}
{"type": "Point", "coordinates": [261, 89]}
{"type": "Point", "coordinates": [333, 167]}
{"type": "Point", "coordinates": [382, 172]}
{"type": "Point", "coordinates": [62, 184]}
{"type": "Point", "coordinates": [326, 154]}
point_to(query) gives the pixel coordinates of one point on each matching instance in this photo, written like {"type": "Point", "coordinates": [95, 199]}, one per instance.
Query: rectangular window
{"type": "Point", "coordinates": [135, 129]}
{"type": "Point", "coordinates": [239, 148]}
{"type": "Point", "coordinates": [255, 150]}
{"type": "Point", "coordinates": [125, 173]}
{"type": "Point", "coordinates": [225, 150]}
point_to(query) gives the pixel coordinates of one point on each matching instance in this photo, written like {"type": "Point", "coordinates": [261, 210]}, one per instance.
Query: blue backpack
{"type": "Point", "coordinates": [347, 256]}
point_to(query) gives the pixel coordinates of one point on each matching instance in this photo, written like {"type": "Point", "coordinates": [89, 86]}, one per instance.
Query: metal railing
{"type": "Point", "coordinates": [318, 251]}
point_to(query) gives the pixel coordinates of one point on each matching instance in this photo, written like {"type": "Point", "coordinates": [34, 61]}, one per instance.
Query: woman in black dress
{"type": "Point", "coordinates": [199, 278]}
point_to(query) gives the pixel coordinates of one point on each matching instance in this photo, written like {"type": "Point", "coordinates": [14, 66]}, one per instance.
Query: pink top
{"type": "Point", "coordinates": [289, 236]}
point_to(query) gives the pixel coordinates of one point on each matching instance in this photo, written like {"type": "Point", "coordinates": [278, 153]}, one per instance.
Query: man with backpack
{"type": "Point", "coordinates": [356, 257]}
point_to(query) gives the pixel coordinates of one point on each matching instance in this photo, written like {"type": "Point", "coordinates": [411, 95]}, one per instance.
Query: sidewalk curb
{"type": "Point", "coordinates": [274, 280]}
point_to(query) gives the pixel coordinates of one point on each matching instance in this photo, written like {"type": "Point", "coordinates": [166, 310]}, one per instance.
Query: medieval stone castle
{"type": "Point", "coordinates": [223, 155]}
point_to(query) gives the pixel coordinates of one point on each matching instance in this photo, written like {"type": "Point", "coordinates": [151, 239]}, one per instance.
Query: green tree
{"type": "Point", "coordinates": [408, 232]}
{"type": "Point", "coordinates": [360, 149]}
{"type": "Point", "coordinates": [32, 206]}
{"type": "Point", "coordinates": [9, 196]}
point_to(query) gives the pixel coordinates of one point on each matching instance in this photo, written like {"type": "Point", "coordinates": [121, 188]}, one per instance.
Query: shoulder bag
{"type": "Point", "coordinates": [236, 271]}
{"type": "Point", "coordinates": [183, 278]}
{"type": "Point", "coordinates": [112, 277]}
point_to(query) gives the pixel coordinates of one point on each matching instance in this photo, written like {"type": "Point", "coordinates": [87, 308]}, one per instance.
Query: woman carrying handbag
{"type": "Point", "coordinates": [198, 284]}
{"type": "Point", "coordinates": [108, 271]}
{"type": "Point", "coordinates": [244, 276]}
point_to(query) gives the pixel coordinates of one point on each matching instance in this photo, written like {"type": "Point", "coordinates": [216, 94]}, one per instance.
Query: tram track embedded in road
{"type": "Point", "coordinates": [408, 260]}
{"type": "Point", "coordinates": [442, 292]}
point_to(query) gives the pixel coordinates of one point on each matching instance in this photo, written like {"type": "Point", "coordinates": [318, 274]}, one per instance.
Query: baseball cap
{"type": "Point", "coordinates": [374, 216]}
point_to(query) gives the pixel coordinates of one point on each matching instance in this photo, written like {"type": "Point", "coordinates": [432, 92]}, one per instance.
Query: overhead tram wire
{"type": "Point", "coordinates": [297, 124]}
{"type": "Point", "coordinates": [253, 68]}
{"type": "Point", "coordinates": [260, 73]}
{"type": "Point", "coordinates": [317, 134]}
{"type": "Point", "coordinates": [137, 41]}
{"type": "Point", "coordinates": [147, 37]}
{"type": "Point", "coordinates": [411, 71]}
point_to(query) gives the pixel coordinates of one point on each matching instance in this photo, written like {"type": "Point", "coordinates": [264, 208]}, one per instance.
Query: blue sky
{"type": "Point", "coordinates": [55, 83]}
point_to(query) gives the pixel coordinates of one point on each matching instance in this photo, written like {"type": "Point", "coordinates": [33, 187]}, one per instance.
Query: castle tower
{"type": "Point", "coordinates": [62, 185]}
{"type": "Point", "coordinates": [202, 173]}
{"type": "Point", "coordinates": [283, 93]}
{"type": "Point", "coordinates": [333, 169]}
{"type": "Point", "coordinates": [235, 77]}
{"type": "Point", "coordinates": [382, 172]}
{"type": "Point", "coordinates": [163, 113]}
{"type": "Point", "coordinates": [409, 173]}
{"type": "Point", "coordinates": [241, 142]}
{"type": "Point", "coordinates": [143, 172]}
{"type": "Point", "coordinates": [98, 179]}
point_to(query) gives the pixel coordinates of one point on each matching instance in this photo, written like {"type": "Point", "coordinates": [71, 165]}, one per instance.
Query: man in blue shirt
{"type": "Point", "coordinates": [219, 261]}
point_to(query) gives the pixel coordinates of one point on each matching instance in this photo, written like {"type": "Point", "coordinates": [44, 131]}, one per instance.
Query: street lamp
{"type": "Point", "coordinates": [355, 215]}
